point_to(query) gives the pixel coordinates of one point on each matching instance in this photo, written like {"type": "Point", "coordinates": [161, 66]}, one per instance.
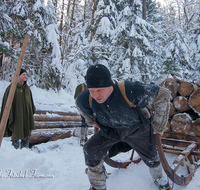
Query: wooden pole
{"type": "Point", "coordinates": [6, 112]}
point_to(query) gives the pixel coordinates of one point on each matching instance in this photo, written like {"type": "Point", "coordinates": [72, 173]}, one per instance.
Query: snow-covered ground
{"type": "Point", "coordinates": [59, 165]}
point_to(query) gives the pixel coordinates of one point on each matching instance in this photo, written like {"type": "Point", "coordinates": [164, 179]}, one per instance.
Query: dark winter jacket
{"type": "Point", "coordinates": [20, 120]}
{"type": "Point", "coordinates": [115, 117]}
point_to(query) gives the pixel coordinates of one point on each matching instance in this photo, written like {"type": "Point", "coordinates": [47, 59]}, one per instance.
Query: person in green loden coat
{"type": "Point", "coordinates": [20, 120]}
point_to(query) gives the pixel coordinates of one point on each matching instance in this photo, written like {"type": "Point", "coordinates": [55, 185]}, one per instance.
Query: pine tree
{"type": "Point", "coordinates": [133, 37]}
{"type": "Point", "coordinates": [44, 38]}
{"type": "Point", "coordinates": [181, 51]}
{"type": "Point", "coordinates": [39, 21]}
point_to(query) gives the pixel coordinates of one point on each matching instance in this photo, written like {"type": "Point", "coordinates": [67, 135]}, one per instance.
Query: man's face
{"type": "Point", "coordinates": [101, 94]}
{"type": "Point", "coordinates": [22, 78]}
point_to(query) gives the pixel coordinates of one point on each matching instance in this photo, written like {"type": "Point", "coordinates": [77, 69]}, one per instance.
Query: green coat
{"type": "Point", "coordinates": [79, 90]}
{"type": "Point", "coordinates": [20, 120]}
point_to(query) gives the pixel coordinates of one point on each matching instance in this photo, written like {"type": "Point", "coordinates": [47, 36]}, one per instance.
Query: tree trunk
{"type": "Point", "coordinates": [57, 118]}
{"type": "Point", "coordinates": [41, 68]}
{"type": "Point", "coordinates": [186, 89]}
{"type": "Point", "coordinates": [172, 110]}
{"type": "Point", "coordinates": [144, 9]}
{"type": "Point", "coordinates": [92, 21]}
{"type": "Point", "coordinates": [194, 101]}
{"type": "Point", "coordinates": [196, 127]}
{"type": "Point", "coordinates": [181, 103]}
{"type": "Point", "coordinates": [168, 127]}
{"type": "Point", "coordinates": [45, 135]}
{"type": "Point", "coordinates": [56, 124]}
{"type": "Point", "coordinates": [61, 22]}
{"type": "Point", "coordinates": [84, 13]}
{"type": "Point", "coordinates": [170, 84]}
{"type": "Point", "coordinates": [181, 123]}
{"type": "Point", "coordinates": [1, 64]}
{"type": "Point", "coordinates": [72, 15]}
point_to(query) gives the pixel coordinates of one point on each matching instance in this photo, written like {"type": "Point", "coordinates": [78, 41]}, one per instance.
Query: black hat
{"type": "Point", "coordinates": [98, 76]}
{"type": "Point", "coordinates": [22, 71]}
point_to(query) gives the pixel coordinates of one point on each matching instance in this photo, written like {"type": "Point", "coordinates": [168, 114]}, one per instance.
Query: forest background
{"type": "Point", "coordinates": [136, 39]}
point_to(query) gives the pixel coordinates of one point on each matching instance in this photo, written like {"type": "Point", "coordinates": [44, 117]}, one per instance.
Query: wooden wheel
{"type": "Point", "coordinates": [187, 157]}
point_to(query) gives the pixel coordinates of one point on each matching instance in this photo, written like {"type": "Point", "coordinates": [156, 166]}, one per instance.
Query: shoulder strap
{"type": "Point", "coordinates": [83, 88]}
{"type": "Point", "coordinates": [90, 101]}
{"type": "Point", "coordinates": [122, 89]}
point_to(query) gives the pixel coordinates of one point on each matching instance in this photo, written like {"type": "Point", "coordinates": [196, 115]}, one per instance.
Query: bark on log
{"type": "Point", "coordinates": [172, 110]}
{"type": "Point", "coordinates": [56, 118]}
{"type": "Point", "coordinates": [186, 89]}
{"type": "Point", "coordinates": [170, 84]}
{"type": "Point", "coordinates": [168, 127]}
{"type": "Point", "coordinates": [181, 103]}
{"type": "Point", "coordinates": [181, 123]}
{"type": "Point", "coordinates": [194, 101]}
{"type": "Point", "coordinates": [196, 127]}
{"type": "Point", "coordinates": [50, 125]}
{"type": "Point", "coordinates": [45, 135]}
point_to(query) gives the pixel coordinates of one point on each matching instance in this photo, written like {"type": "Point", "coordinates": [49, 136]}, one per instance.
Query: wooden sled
{"type": "Point", "coordinates": [186, 147]}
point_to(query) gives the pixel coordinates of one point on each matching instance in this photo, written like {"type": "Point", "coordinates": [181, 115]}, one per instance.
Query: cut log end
{"type": "Point", "coordinates": [196, 127]}
{"type": "Point", "coordinates": [170, 84]}
{"type": "Point", "coordinates": [181, 123]}
{"type": "Point", "coordinates": [194, 101]}
{"type": "Point", "coordinates": [181, 103]}
{"type": "Point", "coordinates": [185, 89]}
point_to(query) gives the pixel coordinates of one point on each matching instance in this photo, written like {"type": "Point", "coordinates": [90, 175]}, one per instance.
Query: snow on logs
{"type": "Point", "coordinates": [184, 116]}
{"type": "Point", "coordinates": [51, 126]}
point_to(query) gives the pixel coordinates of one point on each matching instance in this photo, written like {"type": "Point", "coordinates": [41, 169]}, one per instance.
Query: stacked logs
{"type": "Point", "coordinates": [51, 126]}
{"type": "Point", "coordinates": [184, 117]}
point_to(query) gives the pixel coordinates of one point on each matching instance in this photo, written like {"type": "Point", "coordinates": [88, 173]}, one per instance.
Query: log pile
{"type": "Point", "coordinates": [184, 117]}
{"type": "Point", "coordinates": [51, 126]}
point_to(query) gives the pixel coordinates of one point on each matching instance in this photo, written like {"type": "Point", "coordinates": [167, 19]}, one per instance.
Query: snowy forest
{"type": "Point", "coordinates": [142, 40]}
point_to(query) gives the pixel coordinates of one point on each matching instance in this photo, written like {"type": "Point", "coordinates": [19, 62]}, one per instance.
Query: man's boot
{"type": "Point", "coordinates": [159, 180]}
{"type": "Point", "coordinates": [15, 143]}
{"type": "Point", "coordinates": [24, 144]}
{"type": "Point", "coordinates": [97, 176]}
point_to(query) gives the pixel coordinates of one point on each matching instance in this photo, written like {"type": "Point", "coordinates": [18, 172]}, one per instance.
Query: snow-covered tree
{"type": "Point", "coordinates": [43, 54]}
{"type": "Point", "coordinates": [181, 51]}
{"type": "Point", "coordinates": [133, 38]}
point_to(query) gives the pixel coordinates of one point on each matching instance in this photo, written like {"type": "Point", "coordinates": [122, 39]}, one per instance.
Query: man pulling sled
{"type": "Point", "coordinates": [122, 125]}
